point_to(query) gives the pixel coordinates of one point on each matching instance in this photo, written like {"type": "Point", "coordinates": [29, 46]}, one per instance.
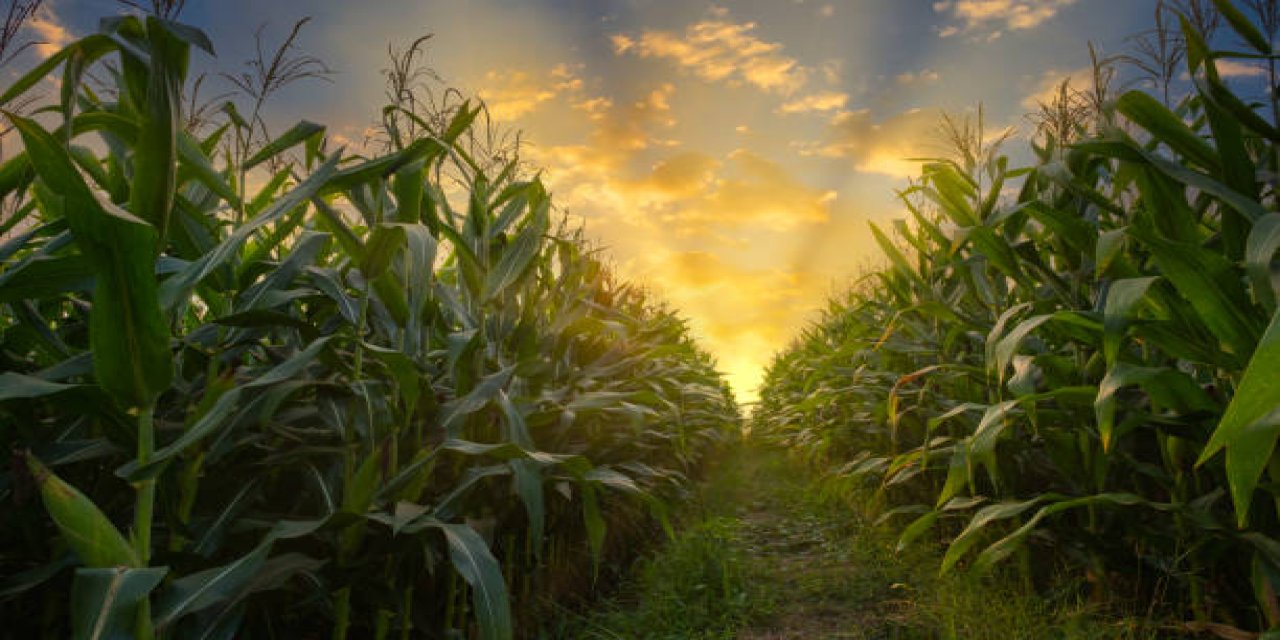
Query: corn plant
{"type": "Point", "coordinates": [1054, 377]}
{"type": "Point", "coordinates": [332, 404]}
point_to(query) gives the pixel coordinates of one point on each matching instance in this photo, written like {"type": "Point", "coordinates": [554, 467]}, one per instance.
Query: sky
{"type": "Point", "coordinates": [728, 155]}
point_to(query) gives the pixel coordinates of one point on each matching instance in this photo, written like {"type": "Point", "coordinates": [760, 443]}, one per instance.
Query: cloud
{"type": "Point", "coordinates": [513, 94]}
{"type": "Point", "coordinates": [51, 33]}
{"type": "Point", "coordinates": [719, 50]}
{"type": "Point", "coordinates": [993, 17]}
{"type": "Point", "coordinates": [884, 147]}
{"type": "Point", "coordinates": [631, 126]}
{"type": "Point", "coordinates": [1238, 69]}
{"type": "Point", "coordinates": [821, 101]}
{"type": "Point", "coordinates": [923, 76]}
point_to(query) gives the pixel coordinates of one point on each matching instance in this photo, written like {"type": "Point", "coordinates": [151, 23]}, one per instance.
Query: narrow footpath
{"type": "Point", "coordinates": [769, 551]}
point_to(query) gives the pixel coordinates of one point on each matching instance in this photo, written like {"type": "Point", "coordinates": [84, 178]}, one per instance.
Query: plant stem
{"type": "Point", "coordinates": [143, 512]}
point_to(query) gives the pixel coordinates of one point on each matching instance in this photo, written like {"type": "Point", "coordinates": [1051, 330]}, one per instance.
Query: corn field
{"type": "Point", "coordinates": [269, 388]}
{"type": "Point", "coordinates": [1072, 370]}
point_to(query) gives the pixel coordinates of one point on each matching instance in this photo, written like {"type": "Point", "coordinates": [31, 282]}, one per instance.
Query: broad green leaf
{"type": "Point", "coordinates": [472, 560]}
{"type": "Point", "coordinates": [290, 368]}
{"type": "Point", "coordinates": [1148, 113]}
{"type": "Point", "coordinates": [128, 336]}
{"type": "Point", "coordinates": [215, 418]}
{"type": "Point", "coordinates": [1247, 429]}
{"type": "Point", "coordinates": [155, 152]}
{"type": "Point", "coordinates": [297, 134]}
{"type": "Point", "coordinates": [194, 159]}
{"type": "Point", "coordinates": [1002, 548]}
{"type": "Point", "coordinates": [1260, 255]}
{"type": "Point", "coordinates": [104, 602]}
{"type": "Point", "coordinates": [1214, 289]}
{"type": "Point", "coordinates": [15, 386]}
{"type": "Point", "coordinates": [1241, 25]}
{"type": "Point", "coordinates": [1123, 299]}
{"type": "Point", "coordinates": [517, 257]}
{"type": "Point", "coordinates": [483, 393]}
{"type": "Point", "coordinates": [178, 287]}
{"type": "Point", "coordinates": [204, 589]}
{"type": "Point", "coordinates": [985, 516]}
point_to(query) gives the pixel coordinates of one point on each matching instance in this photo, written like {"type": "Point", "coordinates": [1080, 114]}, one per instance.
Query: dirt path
{"type": "Point", "coordinates": [767, 551]}
{"type": "Point", "coordinates": [762, 557]}
{"type": "Point", "coordinates": [820, 573]}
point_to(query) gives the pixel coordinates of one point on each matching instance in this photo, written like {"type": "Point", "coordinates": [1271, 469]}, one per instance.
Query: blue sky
{"type": "Point", "coordinates": [729, 154]}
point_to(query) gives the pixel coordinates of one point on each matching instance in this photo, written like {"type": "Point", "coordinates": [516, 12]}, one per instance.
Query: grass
{"type": "Point", "coordinates": [770, 550]}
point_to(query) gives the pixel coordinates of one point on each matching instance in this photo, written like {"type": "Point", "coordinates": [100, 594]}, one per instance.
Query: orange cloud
{"type": "Point", "coordinates": [821, 101]}
{"type": "Point", "coordinates": [513, 94]}
{"type": "Point", "coordinates": [1239, 69]}
{"type": "Point", "coordinates": [717, 49]}
{"type": "Point", "coordinates": [995, 16]}
{"type": "Point", "coordinates": [51, 34]}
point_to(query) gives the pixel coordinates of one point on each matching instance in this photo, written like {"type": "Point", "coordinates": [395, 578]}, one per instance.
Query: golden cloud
{"type": "Point", "coordinates": [884, 147]}
{"type": "Point", "coordinates": [821, 101]}
{"type": "Point", "coordinates": [995, 16]}
{"type": "Point", "coordinates": [717, 49]}
{"type": "Point", "coordinates": [513, 94]}
{"type": "Point", "coordinates": [1239, 69]}
{"type": "Point", "coordinates": [50, 32]}
{"type": "Point", "coordinates": [630, 126]}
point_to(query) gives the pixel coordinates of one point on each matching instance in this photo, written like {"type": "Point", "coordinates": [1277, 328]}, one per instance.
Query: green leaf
{"type": "Point", "coordinates": [1249, 426]}
{"type": "Point", "coordinates": [128, 337]}
{"type": "Point", "coordinates": [1259, 255]}
{"type": "Point", "coordinates": [104, 602]}
{"type": "Point", "coordinates": [985, 516]}
{"type": "Point", "coordinates": [155, 152]}
{"type": "Point", "coordinates": [88, 48]}
{"type": "Point", "coordinates": [211, 421]}
{"type": "Point", "coordinates": [204, 589]}
{"type": "Point", "coordinates": [1007, 545]}
{"type": "Point", "coordinates": [472, 560]}
{"type": "Point", "coordinates": [1148, 113]}
{"type": "Point", "coordinates": [194, 159]}
{"type": "Point", "coordinates": [483, 393]}
{"type": "Point", "coordinates": [1123, 298]}
{"type": "Point", "coordinates": [517, 257]}
{"type": "Point", "coordinates": [42, 277]}
{"type": "Point", "coordinates": [292, 367]}
{"type": "Point", "coordinates": [297, 134]}
{"type": "Point", "coordinates": [1213, 287]}
{"type": "Point", "coordinates": [179, 286]}
{"type": "Point", "coordinates": [1241, 25]}
{"type": "Point", "coordinates": [15, 386]}
{"type": "Point", "coordinates": [917, 528]}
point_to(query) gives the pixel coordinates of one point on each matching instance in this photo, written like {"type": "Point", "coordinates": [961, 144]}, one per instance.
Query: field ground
{"type": "Point", "coordinates": [766, 551]}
